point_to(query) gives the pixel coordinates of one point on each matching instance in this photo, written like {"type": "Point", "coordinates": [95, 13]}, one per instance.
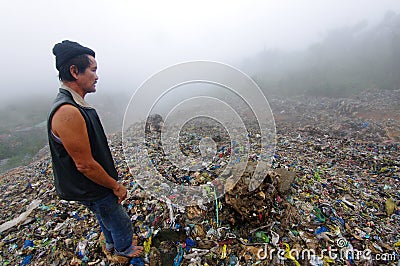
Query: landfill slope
{"type": "Point", "coordinates": [334, 186]}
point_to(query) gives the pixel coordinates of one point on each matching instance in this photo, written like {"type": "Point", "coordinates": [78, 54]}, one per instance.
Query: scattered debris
{"type": "Point", "coordinates": [332, 194]}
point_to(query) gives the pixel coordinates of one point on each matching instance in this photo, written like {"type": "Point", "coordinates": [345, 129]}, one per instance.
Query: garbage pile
{"type": "Point", "coordinates": [331, 198]}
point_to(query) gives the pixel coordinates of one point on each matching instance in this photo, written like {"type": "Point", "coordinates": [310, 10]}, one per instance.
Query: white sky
{"type": "Point", "coordinates": [134, 39]}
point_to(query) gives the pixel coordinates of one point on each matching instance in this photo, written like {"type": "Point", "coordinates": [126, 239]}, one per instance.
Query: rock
{"type": "Point", "coordinates": [286, 179]}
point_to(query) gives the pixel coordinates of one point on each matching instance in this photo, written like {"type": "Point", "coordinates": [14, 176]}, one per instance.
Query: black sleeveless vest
{"type": "Point", "coordinates": [71, 184]}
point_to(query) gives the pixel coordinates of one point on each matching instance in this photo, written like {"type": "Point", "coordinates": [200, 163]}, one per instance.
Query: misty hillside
{"type": "Point", "coordinates": [346, 61]}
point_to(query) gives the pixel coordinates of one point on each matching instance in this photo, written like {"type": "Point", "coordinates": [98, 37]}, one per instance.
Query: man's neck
{"type": "Point", "coordinates": [75, 95]}
{"type": "Point", "coordinates": [73, 86]}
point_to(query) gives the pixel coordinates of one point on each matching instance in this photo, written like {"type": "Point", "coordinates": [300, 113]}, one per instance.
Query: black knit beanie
{"type": "Point", "coordinates": [67, 50]}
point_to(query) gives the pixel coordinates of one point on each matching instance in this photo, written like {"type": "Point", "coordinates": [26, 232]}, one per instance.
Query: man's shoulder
{"type": "Point", "coordinates": [68, 108]}
{"type": "Point", "coordinates": [64, 102]}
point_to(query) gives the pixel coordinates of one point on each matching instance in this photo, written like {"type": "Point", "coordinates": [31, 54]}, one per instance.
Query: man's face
{"type": "Point", "coordinates": [88, 79]}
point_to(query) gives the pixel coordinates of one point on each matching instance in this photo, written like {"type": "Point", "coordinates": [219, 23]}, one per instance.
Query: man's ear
{"type": "Point", "coordinates": [74, 71]}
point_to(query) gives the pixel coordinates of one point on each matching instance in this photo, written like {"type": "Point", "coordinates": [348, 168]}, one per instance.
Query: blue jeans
{"type": "Point", "coordinates": [114, 222]}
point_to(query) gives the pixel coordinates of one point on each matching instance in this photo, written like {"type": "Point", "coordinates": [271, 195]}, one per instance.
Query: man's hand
{"type": "Point", "coordinates": [121, 192]}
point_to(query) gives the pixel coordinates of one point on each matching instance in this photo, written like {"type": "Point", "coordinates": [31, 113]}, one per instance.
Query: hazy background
{"type": "Point", "coordinates": [329, 48]}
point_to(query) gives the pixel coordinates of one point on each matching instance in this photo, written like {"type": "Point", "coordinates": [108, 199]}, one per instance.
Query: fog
{"type": "Point", "coordinates": [135, 39]}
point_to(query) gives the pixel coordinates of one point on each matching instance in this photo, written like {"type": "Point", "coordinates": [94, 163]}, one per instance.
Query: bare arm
{"type": "Point", "coordinates": [69, 125]}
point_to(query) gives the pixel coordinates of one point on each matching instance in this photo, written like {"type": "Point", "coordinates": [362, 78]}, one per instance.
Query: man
{"type": "Point", "coordinates": [83, 167]}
